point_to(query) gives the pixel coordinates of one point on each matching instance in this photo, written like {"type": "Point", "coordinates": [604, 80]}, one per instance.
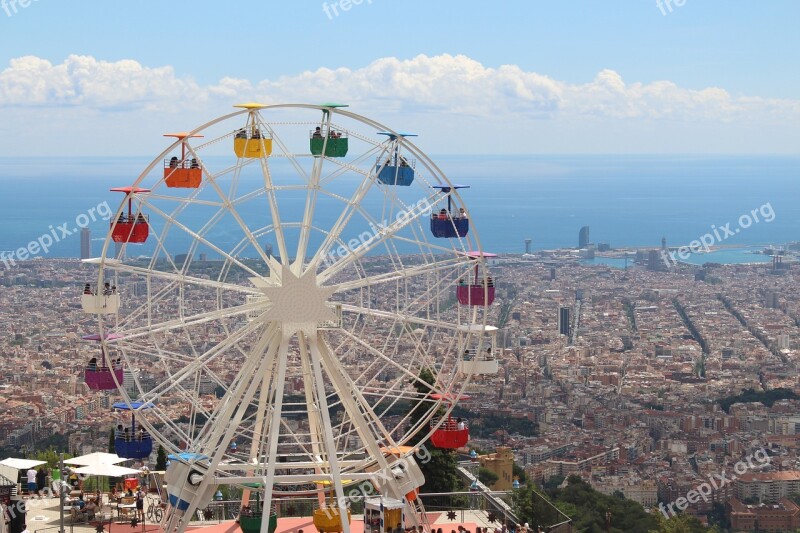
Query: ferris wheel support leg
{"type": "Point", "coordinates": [274, 430]}
{"type": "Point", "coordinates": [314, 423]}
{"type": "Point", "coordinates": [350, 395]}
{"type": "Point", "coordinates": [330, 442]}
{"type": "Point", "coordinates": [273, 207]}
{"type": "Point", "coordinates": [232, 413]}
{"type": "Point", "coordinates": [308, 217]}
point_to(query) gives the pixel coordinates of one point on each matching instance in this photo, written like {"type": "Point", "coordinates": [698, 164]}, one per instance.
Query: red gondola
{"type": "Point", "coordinates": [479, 290]}
{"type": "Point", "coordinates": [182, 173]}
{"type": "Point", "coordinates": [101, 375]}
{"type": "Point", "coordinates": [452, 433]}
{"type": "Point", "coordinates": [129, 227]}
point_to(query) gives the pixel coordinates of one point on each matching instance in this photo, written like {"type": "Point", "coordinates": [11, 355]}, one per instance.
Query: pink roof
{"type": "Point", "coordinates": [129, 189]}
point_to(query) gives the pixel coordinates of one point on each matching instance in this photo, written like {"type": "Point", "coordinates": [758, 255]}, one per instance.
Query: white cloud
{"type": "Point", "coordinates": [457, 90]}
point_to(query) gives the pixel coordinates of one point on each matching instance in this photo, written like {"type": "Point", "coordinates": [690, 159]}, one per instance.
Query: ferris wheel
{"type": "Point", "coordinates": [298, 299]}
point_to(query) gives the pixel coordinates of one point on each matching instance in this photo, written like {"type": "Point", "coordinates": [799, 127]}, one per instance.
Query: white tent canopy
{"type": "Point", "coordinates": [21, 464]}
{"type": "Point", "coordinates": [95, 458]}
{"type": "Point", "coordinates": [106, 469]}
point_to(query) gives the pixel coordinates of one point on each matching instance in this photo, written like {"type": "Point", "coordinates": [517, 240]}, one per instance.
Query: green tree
{"type": "Point", "coordinates": [487, 477]}
{"type": "Point", "coordinates": [440, 468]}
{"type": "Point", "coordinates": [161, 458]}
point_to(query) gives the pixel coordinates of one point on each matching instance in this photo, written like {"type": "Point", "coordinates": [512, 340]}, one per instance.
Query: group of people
{"type": "Point", "coordinates": [468, 355]}
{"type": "Point", "coordinates": [108, 289]}
{"type": "Point", "coordinates": [331, 134]}
{"type": "Point", "coordinates": [242, 134]}
{"type": "Point", "coordinates": [127, 219]}
{"type": "Point", "coordinates": [444, 214]}
{"type": "Point", "coordinates": [489, 281]}
{"type": "Point", "coordinates": [127, 435]}
{"type": "Point", "coordinates": [83, 509]}
{"type": "Point", "coordinates": [37, 481]}
{"type": "Point", "coordinates": [174, 163]}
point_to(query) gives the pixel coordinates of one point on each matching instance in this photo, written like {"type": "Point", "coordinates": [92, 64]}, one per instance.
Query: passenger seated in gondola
{"type": "Point", "coordinates": [241, 134]}
{"type": "Point", "coordinates": [467, 355]}
{"type": "Point", "coordinates": [122, 217]}
{"type": "Point", "coordinates": [489, 354]}
{"type": "Point", "coordinates": [173, 162]}
{"type": "Point", "coordinates": [113, 289]}
{"type": "Point", "coordinates": [127, 435]}
{"type": "Point", "coordinates": [443, 214]}
{"type": "Point", "coordinates": [106, 289]}
{"type": "Point", "coordinates": [119, 433]}
{"type": "Point", "coordinates": [87, 289]}
{"type": "Point", "coordinates": [462, 281]}
{"type": "Point", "coordinates": [489, 281]}
{"type": "Point", "coordinates": [93, 364]}
{"type": "Point", "coordinates": [317, 133]}
{"type": "Point", "coordinates": [403, 162]}
{"type": "Point", "coordinates": [195, 164]}
{"type": "Point", "coordinates": [462, 213]}
{"type": "Point", "coordinates": [460, 424]}
{"type": "Point", "coordinates": [256, 133]}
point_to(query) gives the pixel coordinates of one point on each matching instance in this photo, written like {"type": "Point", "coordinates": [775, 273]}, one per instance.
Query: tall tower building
{"type": "Point", "coordinates": [86, 243]}
{"type": "Point", "coordinates": [528, 246]}
{"type": "Point", "coordinates": [583, 237]}
{"type": "Point", "coordinates": [664, 243]}
{"type": "Point", "coordinates": [563, 321]}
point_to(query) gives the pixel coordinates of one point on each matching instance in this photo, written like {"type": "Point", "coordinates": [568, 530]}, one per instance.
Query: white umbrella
{"type": "Point", "coordinates": [105, 469]}
{"type": "Point", "coordinates": [95, 458]}
{"type": "Point", "coordinates": [21, 464]}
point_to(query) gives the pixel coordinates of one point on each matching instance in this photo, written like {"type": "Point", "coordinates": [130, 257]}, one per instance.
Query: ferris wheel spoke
{"type": "Point", "coordinates": [202, 240]}
{"type": "Point", "coordinates": [234, 213]}
{"type": "Point", "coordinates": [399, 318]}
{"type": "Point", "coordinates": [446, 265]}
{"type": "Point", "coordinates": [388, 360]}
{"type": "Point", "coordinates": [183, 278]}
{"type": "Point", "coordinates": [200, 362]}
{"type": "Point", "coordinates": [366, 247]}
{"type": "Point", "coordinates": [365, 422]}
{"type": "Point", "coordinates": [344, 217]}
{"type": "Point", "coordinates": [192, 320]}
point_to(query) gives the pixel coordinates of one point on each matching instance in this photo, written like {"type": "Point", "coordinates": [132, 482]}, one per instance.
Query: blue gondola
{"type": "Point", "coordinates": [446, 224]}
{"type": "Point", "coordinates": [128, 442]}
{"type": "Point", "coordinates": [394, 169]}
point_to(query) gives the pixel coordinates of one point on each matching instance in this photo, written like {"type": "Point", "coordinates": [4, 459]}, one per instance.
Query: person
{"type": "Point", "coordinates": [122, 217]}
{"type": "Point", "coordinates": [489, 281]}
{"type": "Point", "coordinates": [403, 162]}
{"type": "Point", "coordinates": [256, 133]}
{"type": "Point", "coordinates": [317, 133]}
{"type": "Point", "coordinates": [443, 214]}
{"type": "Point", "coordinates": [173, 162]}
{"type": "Point", "coordinates": [241, 134]}
{"type": "Point", "coordinates": [127, 435]}
{"type": "Point", "coordinates": [141, 433]}
{"type": "Point", "coordinates": [489, 355]}
{"type": "Point", "coordinates": [41, 480]}
{"type": "Point", "coordinates": [106, 289]}
{"type": "Point", "coordinates": [140, 503]}
{"type": "Point", "coordinates": [195, 164]}
{"type": "Point", "coordinates": [460, 424]}
{"type": "Point", "coordinates": [87, 289]}
{"type": "Point", "coordinates": [31, 481]}
{"type": "Point", "coordinates": [140, 217]}
{"type": "Point", "coordinates": [462, 213]}
{"type": "Point", "coordinates": [90, 509]}
{"type": "Point", "coordinates": [93, 364]}
{"type": "Point", "coordinates": [113, 289]}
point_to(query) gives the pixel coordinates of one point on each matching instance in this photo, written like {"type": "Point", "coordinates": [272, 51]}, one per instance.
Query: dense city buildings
{"type": "Point", "coordinates": [627, 399]}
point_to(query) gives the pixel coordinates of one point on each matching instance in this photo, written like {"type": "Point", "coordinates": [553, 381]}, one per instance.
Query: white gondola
{"type": "Point", "coordinates": [473, 362]}
{"type": "Point", "coordinates": [103, 304]}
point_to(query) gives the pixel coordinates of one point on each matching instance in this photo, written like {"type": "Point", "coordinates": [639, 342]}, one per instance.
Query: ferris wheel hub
{"type": "Point", "coordinates": [298, 303]}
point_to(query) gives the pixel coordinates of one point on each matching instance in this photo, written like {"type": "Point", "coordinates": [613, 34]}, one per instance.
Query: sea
{"type": "Point", "coordinates": [626, 200]}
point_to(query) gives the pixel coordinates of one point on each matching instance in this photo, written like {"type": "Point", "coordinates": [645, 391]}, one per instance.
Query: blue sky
{"type": "Point", "coordinates": [706, 76]}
